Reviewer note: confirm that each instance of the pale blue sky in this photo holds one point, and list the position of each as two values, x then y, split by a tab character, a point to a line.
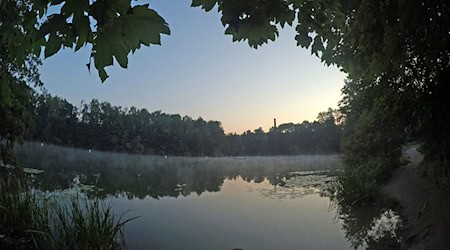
199	71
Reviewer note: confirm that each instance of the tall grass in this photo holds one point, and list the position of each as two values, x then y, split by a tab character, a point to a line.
41	222
88	224
23	213
359	184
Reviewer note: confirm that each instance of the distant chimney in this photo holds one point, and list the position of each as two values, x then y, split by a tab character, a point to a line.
274	122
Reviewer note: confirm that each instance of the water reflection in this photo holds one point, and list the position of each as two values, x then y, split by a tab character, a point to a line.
157	177
161	182
374	227
300	183
221	199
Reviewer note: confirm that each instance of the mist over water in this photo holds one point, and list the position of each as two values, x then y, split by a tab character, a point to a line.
209	202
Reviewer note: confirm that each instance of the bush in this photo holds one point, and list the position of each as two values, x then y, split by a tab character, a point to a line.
436	171
360	184
372	147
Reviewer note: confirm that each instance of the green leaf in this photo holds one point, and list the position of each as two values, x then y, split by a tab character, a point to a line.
303	39
56	2
121	6
55	23
40	6
82	29
103	51
74	7
5	91
207	5
102	74
317	46
125	34
53	45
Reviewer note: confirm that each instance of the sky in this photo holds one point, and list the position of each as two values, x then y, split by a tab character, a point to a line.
198	71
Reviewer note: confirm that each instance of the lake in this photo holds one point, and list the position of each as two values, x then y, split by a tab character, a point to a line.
214	203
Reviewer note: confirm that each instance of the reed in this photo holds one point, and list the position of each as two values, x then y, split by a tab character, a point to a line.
88	224
23	212
42	222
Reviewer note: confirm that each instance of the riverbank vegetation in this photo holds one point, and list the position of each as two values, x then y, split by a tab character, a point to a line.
31	219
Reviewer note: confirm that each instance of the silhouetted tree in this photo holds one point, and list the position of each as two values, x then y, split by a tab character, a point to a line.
102	126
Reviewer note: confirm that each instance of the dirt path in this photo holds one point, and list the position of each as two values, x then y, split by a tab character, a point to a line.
425	208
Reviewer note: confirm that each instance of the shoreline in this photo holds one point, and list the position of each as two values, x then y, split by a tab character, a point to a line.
424	208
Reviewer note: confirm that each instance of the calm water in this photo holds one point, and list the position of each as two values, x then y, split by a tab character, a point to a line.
214	203
242	214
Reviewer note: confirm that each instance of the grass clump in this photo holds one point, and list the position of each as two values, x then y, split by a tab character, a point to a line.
88	224
359	184
32	220
23	213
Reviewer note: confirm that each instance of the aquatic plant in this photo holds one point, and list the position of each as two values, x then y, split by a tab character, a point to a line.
386	226
40	222
88	224
357	185
23	212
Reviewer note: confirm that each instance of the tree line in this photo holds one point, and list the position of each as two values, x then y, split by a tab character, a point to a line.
103	126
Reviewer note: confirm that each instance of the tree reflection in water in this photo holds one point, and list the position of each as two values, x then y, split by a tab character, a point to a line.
375	226
138	177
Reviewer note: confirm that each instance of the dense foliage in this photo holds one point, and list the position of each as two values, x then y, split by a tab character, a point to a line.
102	126
112	29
